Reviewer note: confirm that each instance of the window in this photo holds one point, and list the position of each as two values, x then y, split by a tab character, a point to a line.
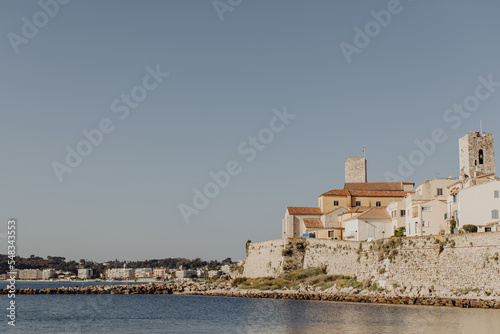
427	208
481	157
378	204
330	234
440	192
425	224
494	214
454	198
358	203
336	203
497	194
445	216
403	213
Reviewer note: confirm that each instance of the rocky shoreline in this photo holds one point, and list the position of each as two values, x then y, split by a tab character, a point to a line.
303	293
358	297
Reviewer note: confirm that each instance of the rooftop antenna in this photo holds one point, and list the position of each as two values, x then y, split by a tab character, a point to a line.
481	128
364	152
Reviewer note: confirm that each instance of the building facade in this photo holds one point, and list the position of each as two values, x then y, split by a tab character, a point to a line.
85	273
120	274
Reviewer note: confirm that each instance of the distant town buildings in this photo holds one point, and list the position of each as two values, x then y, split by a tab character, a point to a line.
30	274
48	273
144	273
120	274
161	273
85	274
373	210
186	274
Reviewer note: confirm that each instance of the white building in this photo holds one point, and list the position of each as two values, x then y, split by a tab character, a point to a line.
186	274
47	273
85	273
160	273
477	205
370	225
120	273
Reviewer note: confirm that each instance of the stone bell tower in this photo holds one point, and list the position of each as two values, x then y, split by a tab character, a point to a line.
477	154
355	170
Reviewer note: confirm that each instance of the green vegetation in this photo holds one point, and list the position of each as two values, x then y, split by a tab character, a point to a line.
309	277
464	291
388	250
246	246
469	228
400	232
453	225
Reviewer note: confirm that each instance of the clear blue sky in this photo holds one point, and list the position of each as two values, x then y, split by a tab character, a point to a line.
225	78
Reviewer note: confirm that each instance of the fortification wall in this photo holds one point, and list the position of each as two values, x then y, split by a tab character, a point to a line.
464	261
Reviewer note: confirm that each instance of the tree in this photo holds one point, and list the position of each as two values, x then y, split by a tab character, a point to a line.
400	232
453	225
469	228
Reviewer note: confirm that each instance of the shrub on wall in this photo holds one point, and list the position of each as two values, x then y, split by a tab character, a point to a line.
453	225
400	232
470	228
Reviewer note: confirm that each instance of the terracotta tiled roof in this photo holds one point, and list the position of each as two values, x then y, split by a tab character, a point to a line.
359	209
369	193
375	186
337	192
313	223
366	193
294	210
373	213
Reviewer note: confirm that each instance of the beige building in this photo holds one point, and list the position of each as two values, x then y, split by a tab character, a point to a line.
426	208
335	207
143	273
85	273
298	220
30	274
369	194
397	211
161	273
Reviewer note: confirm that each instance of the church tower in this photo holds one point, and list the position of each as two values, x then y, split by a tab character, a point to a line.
477	154
355	170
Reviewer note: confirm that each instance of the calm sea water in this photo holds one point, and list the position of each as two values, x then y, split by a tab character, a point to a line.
200	314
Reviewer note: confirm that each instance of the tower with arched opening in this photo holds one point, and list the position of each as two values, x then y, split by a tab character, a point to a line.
477	154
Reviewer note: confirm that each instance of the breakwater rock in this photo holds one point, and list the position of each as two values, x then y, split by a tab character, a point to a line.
149	289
